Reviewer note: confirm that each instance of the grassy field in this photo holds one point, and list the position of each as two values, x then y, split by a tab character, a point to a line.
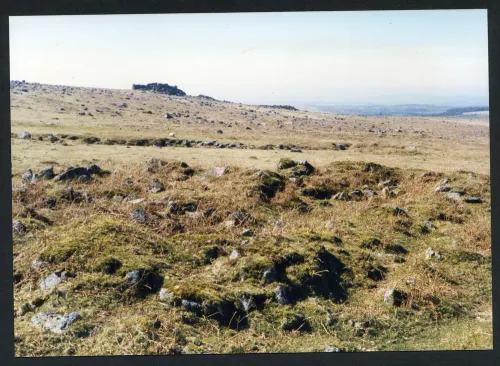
274	255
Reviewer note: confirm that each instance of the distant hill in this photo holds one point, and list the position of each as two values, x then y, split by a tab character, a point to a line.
395	110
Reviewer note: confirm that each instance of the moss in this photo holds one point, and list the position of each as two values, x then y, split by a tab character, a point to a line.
271	183
286	163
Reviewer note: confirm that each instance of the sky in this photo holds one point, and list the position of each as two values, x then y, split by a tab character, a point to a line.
369	57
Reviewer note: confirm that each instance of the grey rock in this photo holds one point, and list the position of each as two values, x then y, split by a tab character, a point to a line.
27	176
471	199
369	193
25	135
18	227
330	348
166	296
52	138
47	173
139	215
38	263
385	183
156	186
55	322
431	254
398	211
393	297
235	254
280	294
72	173
217	171
134	276
443	189
191	305
454	195
52	280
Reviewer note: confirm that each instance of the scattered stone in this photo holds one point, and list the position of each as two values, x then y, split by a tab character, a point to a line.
54	322
52	138
156	186
235	254
171	134
471	199
168	116
454	195
25	135
53	279
84	178
280	294
431	254
411	282
369	193
429	225
139	215
72	173
385	183
393	297
217	171
443	189
18	227
38	263
330	348
27	176
166	296
399	212
47	173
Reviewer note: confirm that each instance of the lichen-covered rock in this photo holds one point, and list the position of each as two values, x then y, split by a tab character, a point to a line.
18	227
55	322
25	135
53	279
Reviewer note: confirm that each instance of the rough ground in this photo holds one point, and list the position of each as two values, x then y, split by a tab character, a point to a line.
337	240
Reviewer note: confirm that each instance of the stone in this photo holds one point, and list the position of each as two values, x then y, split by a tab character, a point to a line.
168	116
27	176
55	322
47	173
52	138
471	199
38	263
393	297
72	173
431	254
369	193
399	212
52	280
217	171
235	254
171	134
84	178
442	189
139	215
429	225
330	348
25	135
247	232
166	296
18	227
454	195
156	186
411	282
280	295
385	183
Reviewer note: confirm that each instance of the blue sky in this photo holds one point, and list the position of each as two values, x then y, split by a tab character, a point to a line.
315	57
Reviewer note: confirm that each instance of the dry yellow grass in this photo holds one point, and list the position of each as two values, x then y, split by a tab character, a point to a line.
448	301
